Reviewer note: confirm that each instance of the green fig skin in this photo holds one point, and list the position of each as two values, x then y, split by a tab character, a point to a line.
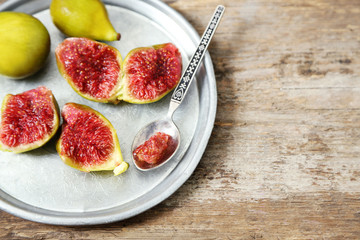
24	44
83	18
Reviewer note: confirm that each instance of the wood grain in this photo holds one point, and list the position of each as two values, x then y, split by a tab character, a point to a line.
283	159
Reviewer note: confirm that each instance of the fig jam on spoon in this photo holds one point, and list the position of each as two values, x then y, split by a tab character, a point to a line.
156	143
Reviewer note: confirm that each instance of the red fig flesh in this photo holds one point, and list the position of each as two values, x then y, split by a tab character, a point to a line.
94	70
150	73
91	68
28	120
155	150
88	141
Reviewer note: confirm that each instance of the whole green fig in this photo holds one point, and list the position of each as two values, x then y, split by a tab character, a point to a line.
24	44
83	18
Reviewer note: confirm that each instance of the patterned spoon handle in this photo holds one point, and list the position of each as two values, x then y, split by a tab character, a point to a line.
195	61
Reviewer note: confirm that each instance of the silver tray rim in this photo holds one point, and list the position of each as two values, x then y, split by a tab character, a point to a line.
208	104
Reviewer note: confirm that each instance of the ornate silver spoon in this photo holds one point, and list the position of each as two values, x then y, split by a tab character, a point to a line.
167	125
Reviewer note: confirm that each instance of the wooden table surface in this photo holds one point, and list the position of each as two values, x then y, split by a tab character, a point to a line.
283	160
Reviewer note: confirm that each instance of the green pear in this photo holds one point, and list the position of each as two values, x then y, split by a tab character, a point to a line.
24	44
83	18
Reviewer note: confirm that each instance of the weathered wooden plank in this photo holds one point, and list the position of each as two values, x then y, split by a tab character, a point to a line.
328	215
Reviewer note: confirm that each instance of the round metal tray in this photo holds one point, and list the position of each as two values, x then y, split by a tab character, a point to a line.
37	186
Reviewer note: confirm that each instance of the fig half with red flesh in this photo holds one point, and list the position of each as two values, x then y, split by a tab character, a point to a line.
150	73
93	69
88	141
28	120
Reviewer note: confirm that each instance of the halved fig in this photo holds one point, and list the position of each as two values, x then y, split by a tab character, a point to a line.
88	141
150	73
93	69
28	120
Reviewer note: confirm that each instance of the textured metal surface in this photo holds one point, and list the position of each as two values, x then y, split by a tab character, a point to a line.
39	187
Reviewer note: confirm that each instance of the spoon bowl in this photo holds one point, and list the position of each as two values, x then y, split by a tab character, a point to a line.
166	126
